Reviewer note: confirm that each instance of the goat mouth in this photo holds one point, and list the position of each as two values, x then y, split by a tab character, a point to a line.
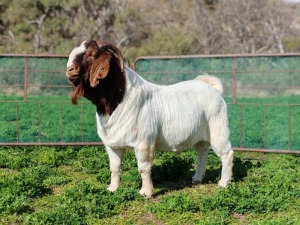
75	80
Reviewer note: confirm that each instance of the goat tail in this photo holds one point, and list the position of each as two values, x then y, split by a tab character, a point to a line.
211	80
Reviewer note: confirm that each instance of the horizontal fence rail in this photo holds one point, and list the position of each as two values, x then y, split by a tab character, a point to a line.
262	92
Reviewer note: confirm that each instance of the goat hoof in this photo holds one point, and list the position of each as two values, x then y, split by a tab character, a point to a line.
196	180
112	188
223	183
146	193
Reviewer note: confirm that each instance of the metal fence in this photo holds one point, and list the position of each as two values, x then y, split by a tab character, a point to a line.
35	104
262	92
35	75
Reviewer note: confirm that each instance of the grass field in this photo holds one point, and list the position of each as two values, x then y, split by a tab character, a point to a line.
67	185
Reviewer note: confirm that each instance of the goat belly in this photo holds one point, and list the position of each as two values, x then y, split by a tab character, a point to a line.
181	116
181	131
163	144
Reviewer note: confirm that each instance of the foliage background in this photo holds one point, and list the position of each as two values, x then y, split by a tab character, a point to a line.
140	27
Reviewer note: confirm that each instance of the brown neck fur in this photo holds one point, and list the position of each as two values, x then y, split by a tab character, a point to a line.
108	94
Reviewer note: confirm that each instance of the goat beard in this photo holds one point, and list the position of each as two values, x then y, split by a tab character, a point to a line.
77	92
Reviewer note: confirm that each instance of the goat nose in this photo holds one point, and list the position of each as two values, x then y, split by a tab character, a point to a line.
69	69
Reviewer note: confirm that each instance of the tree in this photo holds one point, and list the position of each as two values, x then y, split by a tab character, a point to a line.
278	17
202	25
209	26
3	24
44	25
28	28
253	26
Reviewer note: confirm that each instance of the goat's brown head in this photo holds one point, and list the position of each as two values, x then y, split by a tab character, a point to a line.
95	70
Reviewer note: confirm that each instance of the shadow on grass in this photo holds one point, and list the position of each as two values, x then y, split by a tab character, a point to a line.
181	176
167	186
241	168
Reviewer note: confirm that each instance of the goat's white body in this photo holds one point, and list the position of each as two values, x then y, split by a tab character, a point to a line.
172	118
166	118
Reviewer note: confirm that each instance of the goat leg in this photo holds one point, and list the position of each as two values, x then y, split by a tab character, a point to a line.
144	155
115	161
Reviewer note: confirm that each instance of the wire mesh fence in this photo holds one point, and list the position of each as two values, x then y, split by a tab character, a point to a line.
23	75
262	92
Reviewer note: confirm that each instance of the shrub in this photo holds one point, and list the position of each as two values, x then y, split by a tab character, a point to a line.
267	189
60	215
82	202
178	204
103	176
11	203
90	160
16	191
56	180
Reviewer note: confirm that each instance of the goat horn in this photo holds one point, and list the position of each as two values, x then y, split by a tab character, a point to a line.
106	44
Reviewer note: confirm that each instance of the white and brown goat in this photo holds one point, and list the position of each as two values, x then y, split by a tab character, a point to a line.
134	113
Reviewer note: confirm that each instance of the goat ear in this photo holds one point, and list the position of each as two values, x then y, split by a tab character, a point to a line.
99	68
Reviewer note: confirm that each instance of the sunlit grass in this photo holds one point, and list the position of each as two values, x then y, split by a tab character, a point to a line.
58	184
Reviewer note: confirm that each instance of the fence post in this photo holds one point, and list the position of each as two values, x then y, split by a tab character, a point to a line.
265	125
81	121
25	78
234	80
241	124
17	123
289	127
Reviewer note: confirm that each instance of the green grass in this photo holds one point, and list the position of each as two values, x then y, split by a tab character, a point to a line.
67	185
47	119
268	123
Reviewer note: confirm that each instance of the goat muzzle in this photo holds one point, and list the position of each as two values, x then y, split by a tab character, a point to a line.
74	80
73	76
70	69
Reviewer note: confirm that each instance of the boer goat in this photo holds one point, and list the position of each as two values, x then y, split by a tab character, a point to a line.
134	113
